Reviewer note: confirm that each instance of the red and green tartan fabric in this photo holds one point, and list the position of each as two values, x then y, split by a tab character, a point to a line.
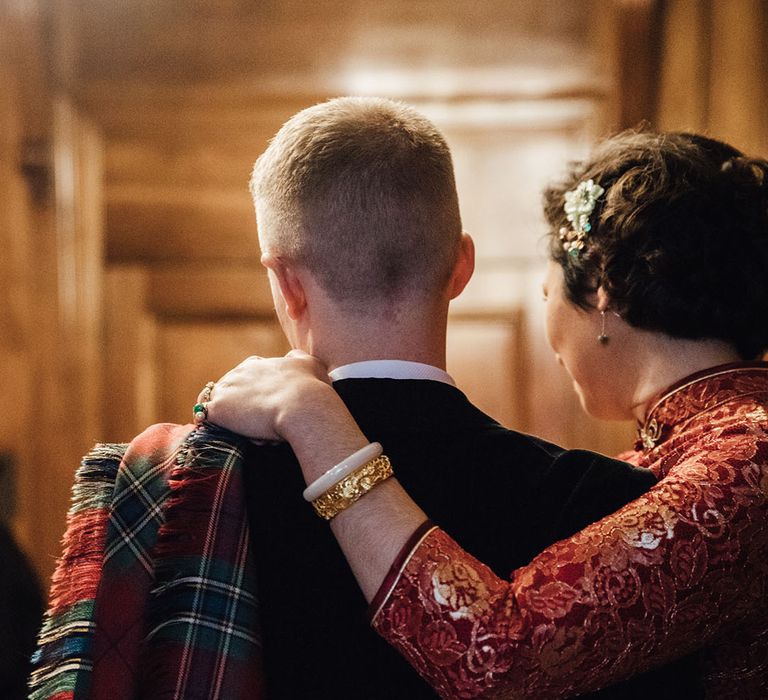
155	593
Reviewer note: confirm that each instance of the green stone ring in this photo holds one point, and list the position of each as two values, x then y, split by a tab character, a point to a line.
200	412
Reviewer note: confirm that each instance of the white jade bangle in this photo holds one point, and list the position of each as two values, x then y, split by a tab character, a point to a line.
344	468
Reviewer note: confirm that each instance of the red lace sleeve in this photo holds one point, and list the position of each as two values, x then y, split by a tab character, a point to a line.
649	583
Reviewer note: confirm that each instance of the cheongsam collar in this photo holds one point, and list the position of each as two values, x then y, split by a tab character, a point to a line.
697	394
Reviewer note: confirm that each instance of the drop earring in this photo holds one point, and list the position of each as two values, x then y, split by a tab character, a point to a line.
602	338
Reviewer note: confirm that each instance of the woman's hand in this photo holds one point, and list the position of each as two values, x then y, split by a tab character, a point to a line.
262	397
287	398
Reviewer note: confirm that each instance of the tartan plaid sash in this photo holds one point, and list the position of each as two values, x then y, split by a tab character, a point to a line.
154	596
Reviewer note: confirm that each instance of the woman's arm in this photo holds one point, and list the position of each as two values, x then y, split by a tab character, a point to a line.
659	578
290	399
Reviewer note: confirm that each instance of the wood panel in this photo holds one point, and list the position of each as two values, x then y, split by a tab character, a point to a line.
182	42
163	330
14	221
165	225
684	82
195	352
16	303
484	357
738	67
214	162
161	341
501	169
209	112
67	244
130	400
79	238
210	292
25	55
639	36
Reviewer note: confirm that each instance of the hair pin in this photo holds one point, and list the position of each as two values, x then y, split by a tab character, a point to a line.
578	207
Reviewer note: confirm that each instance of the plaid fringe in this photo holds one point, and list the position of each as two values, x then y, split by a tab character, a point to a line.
155	595
63	660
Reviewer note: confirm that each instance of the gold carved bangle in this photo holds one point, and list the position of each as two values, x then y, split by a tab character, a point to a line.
352	487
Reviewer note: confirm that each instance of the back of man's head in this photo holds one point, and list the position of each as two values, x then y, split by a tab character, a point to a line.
361	192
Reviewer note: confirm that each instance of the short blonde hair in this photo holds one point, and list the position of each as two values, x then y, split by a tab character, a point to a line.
361	191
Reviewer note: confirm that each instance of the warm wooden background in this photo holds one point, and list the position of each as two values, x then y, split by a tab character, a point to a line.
127	131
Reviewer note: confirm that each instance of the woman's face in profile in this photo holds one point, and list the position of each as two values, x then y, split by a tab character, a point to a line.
572	333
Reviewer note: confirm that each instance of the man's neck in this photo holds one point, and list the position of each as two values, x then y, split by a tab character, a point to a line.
414	339
357	355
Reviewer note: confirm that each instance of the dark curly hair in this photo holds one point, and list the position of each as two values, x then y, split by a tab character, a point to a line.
679	239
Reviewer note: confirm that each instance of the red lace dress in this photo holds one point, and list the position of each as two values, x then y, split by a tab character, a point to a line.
683	567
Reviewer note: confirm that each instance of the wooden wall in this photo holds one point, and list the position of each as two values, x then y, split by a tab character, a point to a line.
16	284
715	82
692	65
128	131
51	237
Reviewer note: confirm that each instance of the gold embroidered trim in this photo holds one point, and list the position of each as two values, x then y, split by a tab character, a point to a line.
396	579
699	379
650	432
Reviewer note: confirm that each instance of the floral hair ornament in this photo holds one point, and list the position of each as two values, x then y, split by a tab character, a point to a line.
578	207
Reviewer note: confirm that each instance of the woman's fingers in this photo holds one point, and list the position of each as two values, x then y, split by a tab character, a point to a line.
253	397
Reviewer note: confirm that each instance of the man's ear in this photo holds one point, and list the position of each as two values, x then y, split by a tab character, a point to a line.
289	283
464	267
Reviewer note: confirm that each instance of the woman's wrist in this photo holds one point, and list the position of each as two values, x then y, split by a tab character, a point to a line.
374	531
319	428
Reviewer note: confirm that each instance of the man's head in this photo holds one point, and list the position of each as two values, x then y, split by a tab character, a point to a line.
360	192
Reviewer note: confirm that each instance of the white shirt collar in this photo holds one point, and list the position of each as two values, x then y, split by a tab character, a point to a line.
390	369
